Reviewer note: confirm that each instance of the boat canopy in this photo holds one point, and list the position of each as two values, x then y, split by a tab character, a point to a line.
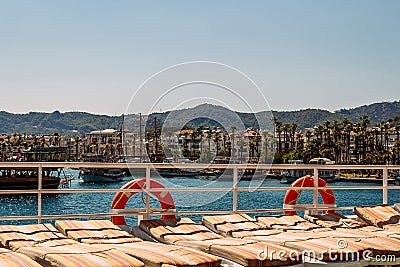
321	161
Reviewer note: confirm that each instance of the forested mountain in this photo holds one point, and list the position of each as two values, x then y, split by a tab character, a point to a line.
308	118
80	122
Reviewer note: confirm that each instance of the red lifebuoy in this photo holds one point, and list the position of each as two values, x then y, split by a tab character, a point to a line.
308	181
121	198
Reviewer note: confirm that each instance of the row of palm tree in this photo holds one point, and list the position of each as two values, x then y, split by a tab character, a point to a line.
343	141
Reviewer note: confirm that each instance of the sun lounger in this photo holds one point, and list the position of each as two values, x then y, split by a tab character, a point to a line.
320	240
107	234
289	223
44	244
237	225
10	258
185	232
334	220
380	215
360	237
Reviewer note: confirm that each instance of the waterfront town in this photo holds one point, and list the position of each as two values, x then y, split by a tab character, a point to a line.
343	142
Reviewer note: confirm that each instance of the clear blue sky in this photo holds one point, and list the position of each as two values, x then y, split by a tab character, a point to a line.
93	55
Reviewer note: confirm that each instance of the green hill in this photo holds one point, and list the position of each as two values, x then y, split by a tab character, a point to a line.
74	123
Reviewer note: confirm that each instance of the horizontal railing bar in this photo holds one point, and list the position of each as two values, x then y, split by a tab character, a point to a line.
150	166
193	166
189	189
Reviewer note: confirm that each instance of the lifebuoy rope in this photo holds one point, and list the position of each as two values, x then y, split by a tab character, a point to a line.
308	181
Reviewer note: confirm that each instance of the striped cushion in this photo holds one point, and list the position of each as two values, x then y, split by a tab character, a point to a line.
280	220
48	243
155	254
16	236
301	226
187	229
350	233
235	225
206	244
43	243
173	238
327	249
179	232
264	232
392	227
370	228
29	229
152	254
95	232
283	237
249	255
382	245
232	218
378	215
66	225
14	259
333	221
244	252
154	228
80	255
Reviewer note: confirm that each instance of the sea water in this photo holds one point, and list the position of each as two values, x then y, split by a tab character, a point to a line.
94	203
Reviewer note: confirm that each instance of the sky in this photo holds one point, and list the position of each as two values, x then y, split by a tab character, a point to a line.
105	57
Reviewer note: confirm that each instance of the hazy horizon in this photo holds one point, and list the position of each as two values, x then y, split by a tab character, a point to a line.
92	56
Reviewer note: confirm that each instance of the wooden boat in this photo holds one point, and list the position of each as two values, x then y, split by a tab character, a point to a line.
27	178
243	174
175	172
100	175
291	175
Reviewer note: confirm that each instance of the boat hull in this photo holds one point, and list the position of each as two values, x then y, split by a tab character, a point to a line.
28	183
176	173
92	178
27	179
102	176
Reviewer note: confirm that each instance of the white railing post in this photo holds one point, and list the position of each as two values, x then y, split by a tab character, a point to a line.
235	193
148	171
315	191
385	186
40	186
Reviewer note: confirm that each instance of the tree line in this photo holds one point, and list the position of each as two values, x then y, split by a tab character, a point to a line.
343	141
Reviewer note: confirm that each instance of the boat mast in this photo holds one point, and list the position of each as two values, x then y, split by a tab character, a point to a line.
123	143
155	135
140	137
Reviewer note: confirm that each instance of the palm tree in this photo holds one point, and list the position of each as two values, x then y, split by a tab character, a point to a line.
278	130
233	129
308	135
292	128
347	129
268	143
241	144
364	132
285	129
327	130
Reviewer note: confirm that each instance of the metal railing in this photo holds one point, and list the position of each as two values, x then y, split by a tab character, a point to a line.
235	189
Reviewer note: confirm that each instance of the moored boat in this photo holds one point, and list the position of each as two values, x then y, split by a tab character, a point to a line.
99	175
327	175
27	178
291	175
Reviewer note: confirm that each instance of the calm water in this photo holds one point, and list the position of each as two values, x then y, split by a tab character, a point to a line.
76	203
